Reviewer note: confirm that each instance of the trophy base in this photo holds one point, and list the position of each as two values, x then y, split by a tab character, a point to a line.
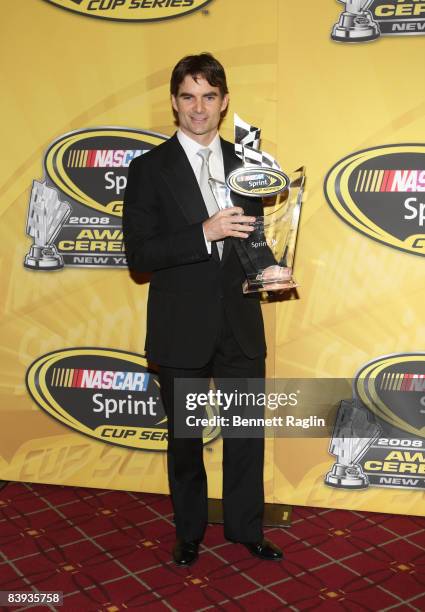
255	286
350	37
43	258
355	28
347	477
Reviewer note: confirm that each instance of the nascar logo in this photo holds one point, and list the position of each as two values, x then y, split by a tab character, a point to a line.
102	158
403	382
99	379
78	170
378	385
268	182
380	193
390	181
89	391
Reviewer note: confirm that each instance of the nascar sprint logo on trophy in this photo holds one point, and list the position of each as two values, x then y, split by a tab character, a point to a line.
132	10
103	393
74	214
379	435
367	20
380	193
267	255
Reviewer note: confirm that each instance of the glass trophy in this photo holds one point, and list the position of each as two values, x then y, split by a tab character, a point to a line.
267	254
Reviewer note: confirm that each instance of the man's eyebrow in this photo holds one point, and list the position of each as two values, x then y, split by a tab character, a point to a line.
208	93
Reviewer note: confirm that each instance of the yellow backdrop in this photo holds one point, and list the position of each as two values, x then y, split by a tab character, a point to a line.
316	102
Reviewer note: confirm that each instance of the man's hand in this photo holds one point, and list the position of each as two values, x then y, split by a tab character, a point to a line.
228	222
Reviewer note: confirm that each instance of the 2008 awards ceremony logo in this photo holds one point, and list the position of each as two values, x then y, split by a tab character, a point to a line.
132	10
74	214
382	440
104	393
380	192
367	20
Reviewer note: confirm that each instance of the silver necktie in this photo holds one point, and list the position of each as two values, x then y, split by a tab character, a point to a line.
207	194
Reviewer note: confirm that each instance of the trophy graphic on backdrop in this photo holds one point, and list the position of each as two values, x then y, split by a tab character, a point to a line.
354	432
267	255
356	23
46	216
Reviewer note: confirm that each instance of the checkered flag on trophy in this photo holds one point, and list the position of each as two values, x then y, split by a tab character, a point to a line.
355	430
247	146
46	216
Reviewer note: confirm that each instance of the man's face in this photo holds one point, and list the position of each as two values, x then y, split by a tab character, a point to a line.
199	106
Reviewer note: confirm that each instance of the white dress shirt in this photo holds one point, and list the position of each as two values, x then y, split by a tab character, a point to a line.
191	148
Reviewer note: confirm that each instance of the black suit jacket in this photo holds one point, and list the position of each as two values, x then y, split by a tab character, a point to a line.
162	224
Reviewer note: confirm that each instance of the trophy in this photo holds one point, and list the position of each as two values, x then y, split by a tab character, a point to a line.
267	255
356	23
354	432
46	216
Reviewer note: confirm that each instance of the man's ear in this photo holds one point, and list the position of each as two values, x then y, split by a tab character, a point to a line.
174	102
225	103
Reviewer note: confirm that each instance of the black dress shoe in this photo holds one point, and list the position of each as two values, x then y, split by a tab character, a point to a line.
185	553
265	550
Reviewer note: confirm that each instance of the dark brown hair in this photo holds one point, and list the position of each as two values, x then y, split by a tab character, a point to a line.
204	65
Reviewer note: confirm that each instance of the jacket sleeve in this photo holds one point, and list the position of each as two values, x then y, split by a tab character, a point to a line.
148	247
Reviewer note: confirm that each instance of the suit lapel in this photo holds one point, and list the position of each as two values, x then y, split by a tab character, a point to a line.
181	179
230	162
178	174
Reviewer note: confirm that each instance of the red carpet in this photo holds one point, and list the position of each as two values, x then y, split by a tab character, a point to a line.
109	551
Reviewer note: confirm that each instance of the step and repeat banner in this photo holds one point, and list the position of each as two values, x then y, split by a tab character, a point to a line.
336	88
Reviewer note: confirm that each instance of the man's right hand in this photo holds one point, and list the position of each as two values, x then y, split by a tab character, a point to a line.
228	222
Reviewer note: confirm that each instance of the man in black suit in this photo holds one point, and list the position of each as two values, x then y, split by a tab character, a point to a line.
199	323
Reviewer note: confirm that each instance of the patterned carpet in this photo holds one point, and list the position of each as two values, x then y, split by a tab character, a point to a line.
109	551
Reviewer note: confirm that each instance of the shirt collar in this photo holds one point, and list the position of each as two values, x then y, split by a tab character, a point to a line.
191	147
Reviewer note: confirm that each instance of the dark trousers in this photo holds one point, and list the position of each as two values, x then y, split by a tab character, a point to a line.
243	459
